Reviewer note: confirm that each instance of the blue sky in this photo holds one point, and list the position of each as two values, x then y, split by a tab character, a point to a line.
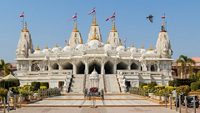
49	22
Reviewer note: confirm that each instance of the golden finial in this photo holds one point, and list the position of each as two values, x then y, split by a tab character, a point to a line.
151	47
25	28
94	22
132	45
75	27
142	46
113	27
46	47
56	45
81	41
94	37
37	48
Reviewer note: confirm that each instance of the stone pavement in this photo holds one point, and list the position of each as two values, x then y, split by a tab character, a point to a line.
93	110
112	104
109	101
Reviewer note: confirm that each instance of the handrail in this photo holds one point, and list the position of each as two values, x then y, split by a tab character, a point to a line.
84	82
104	83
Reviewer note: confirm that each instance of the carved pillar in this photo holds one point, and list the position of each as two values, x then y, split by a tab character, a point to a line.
86	68
158	65
74	68
29	66
102	68
49	65
115	68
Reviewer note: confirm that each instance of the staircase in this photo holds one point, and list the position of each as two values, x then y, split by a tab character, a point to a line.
111	83
77	83
101	84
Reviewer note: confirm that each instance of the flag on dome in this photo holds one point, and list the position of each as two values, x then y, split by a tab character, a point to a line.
163	17
22	14
92	11
112	17
74	16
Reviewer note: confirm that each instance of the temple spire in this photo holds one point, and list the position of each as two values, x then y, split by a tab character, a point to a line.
94	37
113	26
94	21
163	26
25	28
75	27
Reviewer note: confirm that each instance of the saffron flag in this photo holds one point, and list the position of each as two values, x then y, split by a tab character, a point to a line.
112	17
92	11
22	14
163	17
74	16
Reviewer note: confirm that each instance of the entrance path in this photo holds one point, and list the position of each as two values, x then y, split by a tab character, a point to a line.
93	110
113	103
110	100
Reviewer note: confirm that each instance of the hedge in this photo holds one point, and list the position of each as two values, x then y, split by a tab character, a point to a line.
35	86
180	82
44	84
195	86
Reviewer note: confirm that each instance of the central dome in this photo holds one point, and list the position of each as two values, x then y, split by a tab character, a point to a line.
94	44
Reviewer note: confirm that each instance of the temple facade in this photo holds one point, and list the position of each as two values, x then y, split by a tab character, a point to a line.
118	67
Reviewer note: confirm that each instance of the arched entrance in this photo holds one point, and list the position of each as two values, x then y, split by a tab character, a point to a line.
134	66
55	66
80	68
108	67
153	67
95	65
67	66
122	66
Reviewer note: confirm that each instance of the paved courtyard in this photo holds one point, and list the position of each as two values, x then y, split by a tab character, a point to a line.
111	104
110	100
93	110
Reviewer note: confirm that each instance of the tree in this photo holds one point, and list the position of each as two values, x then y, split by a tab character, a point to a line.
185	62
5	67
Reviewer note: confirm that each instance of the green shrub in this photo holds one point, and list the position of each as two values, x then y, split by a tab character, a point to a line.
183	89
180	82
159	90
141	84
151	87
35	86
3	92
195	86
44	84
43	87
15	90
25	90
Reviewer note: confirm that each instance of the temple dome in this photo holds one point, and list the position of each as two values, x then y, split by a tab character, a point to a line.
67	48
46	50
133	49
94	44
80	47
37	51
107	47
120	48
56	49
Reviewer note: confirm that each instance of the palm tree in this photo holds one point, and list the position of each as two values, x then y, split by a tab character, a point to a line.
185	61
5	67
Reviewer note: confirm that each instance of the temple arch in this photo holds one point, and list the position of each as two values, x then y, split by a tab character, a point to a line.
134	66
55	66
35	67
153	67
122	66
67	66
80	68
95	65
108	67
